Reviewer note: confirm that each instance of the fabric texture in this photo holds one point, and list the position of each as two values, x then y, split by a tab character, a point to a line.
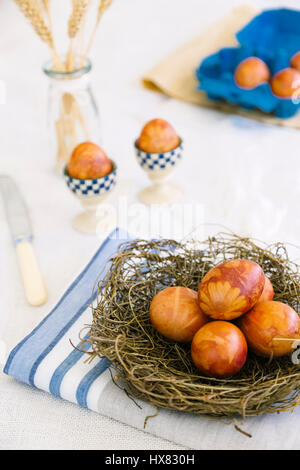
46	358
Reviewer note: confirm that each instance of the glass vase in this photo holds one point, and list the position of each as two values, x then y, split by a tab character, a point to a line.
72	115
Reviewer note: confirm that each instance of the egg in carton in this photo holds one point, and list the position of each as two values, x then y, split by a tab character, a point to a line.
263	71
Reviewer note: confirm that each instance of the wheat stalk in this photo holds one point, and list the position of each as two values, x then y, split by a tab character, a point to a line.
46	5
32	10
76	19
77	16
82	32
47	10
103	5
57	63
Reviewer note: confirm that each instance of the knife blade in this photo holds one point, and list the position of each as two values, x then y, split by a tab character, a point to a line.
16	209
21	231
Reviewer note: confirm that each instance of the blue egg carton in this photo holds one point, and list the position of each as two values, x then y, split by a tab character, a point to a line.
274	37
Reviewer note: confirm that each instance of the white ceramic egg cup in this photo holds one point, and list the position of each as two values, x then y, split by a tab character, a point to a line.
92	193
159	168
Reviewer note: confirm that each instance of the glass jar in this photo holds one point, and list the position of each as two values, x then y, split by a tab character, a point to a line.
72	115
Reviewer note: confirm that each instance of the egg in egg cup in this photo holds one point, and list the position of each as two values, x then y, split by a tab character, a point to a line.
91	176
92	193
158	151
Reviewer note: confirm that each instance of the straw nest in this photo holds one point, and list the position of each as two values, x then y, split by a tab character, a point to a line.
161	372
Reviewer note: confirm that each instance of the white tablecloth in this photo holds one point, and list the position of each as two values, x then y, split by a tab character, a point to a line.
245	174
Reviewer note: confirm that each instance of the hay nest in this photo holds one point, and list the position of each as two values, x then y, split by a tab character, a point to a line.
160	371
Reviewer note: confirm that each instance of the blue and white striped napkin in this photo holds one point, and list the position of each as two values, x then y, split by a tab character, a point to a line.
46	359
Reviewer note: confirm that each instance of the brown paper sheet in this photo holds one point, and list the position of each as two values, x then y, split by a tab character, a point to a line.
175	76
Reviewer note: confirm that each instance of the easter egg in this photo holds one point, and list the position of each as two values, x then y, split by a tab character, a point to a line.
295	61
219	349
251	72
89	161
231	289
285	83
267	322
158	136
268	292
176	314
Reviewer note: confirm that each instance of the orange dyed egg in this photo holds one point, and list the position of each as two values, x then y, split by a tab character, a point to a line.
219	349
268	292
158	136
89	161
231	289
295	61
251	72
285	83
267	322
176	314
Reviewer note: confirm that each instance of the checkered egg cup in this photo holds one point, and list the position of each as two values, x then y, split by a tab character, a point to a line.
159	161
92	187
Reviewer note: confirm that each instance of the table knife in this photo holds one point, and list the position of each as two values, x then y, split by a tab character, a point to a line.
20	227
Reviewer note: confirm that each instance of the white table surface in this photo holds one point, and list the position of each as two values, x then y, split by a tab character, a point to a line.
245	174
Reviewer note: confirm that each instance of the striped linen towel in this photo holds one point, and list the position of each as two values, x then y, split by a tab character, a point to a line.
45	359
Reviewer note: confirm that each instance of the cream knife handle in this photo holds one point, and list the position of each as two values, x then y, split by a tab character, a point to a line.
34	285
